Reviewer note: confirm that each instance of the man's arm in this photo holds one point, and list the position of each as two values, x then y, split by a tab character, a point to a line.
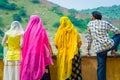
89	40
112	28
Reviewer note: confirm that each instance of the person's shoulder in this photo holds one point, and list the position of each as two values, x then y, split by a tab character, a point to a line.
7	32
93	21
90	23
104	21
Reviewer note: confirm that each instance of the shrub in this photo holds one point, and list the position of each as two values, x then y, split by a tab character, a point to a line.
35	1
5	5
57	10
1	22
11	6
1	55
1	33
1	48
56	24
16	17
22	12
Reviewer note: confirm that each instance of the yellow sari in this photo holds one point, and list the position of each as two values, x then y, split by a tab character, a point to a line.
66	41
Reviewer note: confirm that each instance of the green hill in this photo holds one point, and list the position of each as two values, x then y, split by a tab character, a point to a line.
44	11
112	12
22	9
48	17
50	14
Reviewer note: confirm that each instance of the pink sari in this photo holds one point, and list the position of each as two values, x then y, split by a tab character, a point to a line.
36	54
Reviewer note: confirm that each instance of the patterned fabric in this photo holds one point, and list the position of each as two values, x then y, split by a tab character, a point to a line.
14	49
98	34
76	68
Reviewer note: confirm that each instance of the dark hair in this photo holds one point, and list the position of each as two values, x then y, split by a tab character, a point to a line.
97	15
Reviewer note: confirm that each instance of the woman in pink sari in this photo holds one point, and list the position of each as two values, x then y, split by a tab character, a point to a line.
36	51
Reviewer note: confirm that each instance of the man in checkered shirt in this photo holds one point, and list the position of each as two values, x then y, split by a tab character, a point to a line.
102	43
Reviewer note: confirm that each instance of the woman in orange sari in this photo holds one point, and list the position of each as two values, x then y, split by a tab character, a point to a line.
68	42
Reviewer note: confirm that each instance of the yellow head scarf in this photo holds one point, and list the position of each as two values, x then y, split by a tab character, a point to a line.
66	43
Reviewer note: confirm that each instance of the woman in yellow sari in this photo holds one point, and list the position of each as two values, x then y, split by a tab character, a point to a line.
68	42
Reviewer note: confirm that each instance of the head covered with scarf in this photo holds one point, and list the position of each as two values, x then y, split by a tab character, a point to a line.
66	43
15	29
35	58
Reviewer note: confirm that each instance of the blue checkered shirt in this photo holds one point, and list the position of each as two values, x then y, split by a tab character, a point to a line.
98	34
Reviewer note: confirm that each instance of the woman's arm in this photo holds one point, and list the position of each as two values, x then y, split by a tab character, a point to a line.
79	42
21	40
50	49
4	41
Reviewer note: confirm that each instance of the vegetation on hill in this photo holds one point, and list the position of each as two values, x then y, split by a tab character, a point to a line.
24	8
112	12
4	4
50	15
21	10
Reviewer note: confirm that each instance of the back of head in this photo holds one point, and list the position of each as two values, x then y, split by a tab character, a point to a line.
66	34
35	36
15	29
35	18
97	15
65	22
34	30
15	26
34	23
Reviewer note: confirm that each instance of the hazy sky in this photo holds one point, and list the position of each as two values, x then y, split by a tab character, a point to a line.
85	4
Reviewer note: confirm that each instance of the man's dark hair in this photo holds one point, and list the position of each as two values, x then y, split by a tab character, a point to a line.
97	15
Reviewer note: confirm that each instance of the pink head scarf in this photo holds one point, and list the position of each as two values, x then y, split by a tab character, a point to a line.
35	58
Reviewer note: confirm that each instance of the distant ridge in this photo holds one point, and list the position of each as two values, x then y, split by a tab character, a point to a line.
86	13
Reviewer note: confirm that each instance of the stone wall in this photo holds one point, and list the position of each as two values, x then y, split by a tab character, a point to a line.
1	69
89	67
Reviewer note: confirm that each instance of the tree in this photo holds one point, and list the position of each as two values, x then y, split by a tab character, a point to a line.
57	10
1	50
73	12
17	17
22	12
11	6
5	1
1	33
56	24
107	12
74	20
87	20
1	21
5	5
35	1
2	4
